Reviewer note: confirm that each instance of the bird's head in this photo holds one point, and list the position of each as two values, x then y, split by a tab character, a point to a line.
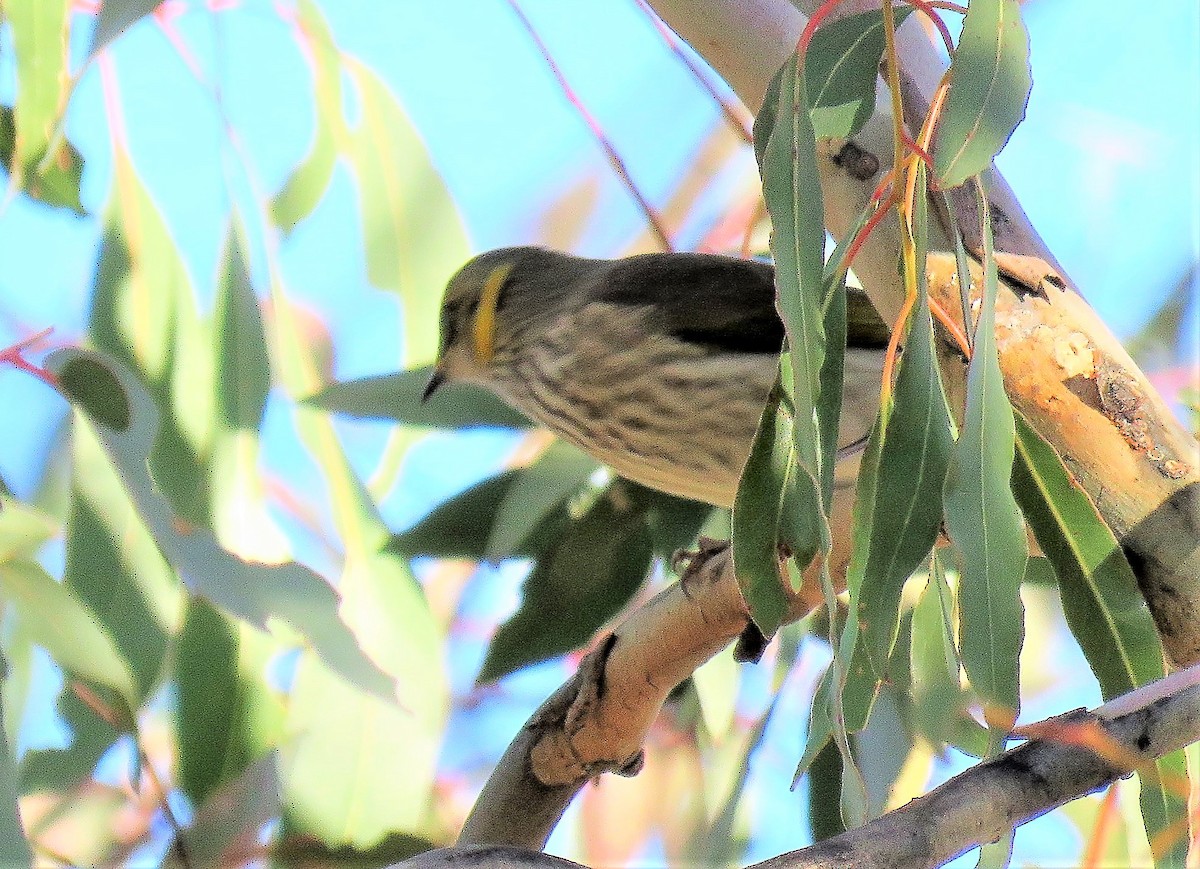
493	303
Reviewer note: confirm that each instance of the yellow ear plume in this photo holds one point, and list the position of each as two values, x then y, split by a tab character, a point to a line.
485	314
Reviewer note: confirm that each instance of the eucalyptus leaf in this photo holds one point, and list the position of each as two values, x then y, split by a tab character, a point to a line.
254	592
989	88
398	397
592	571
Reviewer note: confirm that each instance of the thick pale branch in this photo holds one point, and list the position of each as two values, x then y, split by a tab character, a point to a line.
598	721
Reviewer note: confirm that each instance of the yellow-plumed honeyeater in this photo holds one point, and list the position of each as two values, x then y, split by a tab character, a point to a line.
658	365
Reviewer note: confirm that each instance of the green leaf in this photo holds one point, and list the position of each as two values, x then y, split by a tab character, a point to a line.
906	504
243	374
144	314
593	570
398	397
793	194
460	527
842	68
1100	596
1102	604
824	793
535	494
212	704
14	850
757	510
23	529
114	565
39	34
254	592
985	525
58	183
117	16
308	182
989	87
413	234
1165	810
60	623
938	700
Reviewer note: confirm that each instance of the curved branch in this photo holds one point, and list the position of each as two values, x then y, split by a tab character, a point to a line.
597	721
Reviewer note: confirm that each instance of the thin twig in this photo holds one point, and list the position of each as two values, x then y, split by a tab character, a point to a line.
614	159
729	108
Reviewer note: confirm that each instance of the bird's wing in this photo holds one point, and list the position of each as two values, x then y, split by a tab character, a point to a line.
720	302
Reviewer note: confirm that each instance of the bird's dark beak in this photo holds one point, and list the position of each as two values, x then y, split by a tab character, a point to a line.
436	380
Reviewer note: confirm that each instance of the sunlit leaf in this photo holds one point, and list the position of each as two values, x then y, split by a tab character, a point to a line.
14	850
114	565
58	183
39	41
398	396
243	373
144	313
59	622
309	181
117	16
413	234
989	87
841	70
597	564
1165	810
985	525
254	592
23	528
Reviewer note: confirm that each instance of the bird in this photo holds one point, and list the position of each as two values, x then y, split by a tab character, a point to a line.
658	365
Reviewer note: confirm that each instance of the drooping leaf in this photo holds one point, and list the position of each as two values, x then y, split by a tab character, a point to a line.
792	191
58	183
117	16
1100	596
906	508
1103	607
756	516
114	565
39	40
938	700
59	622
23	528
212	712
398	396
144	313
597	564
985	525
989	87
1164	805
841	70
254	592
